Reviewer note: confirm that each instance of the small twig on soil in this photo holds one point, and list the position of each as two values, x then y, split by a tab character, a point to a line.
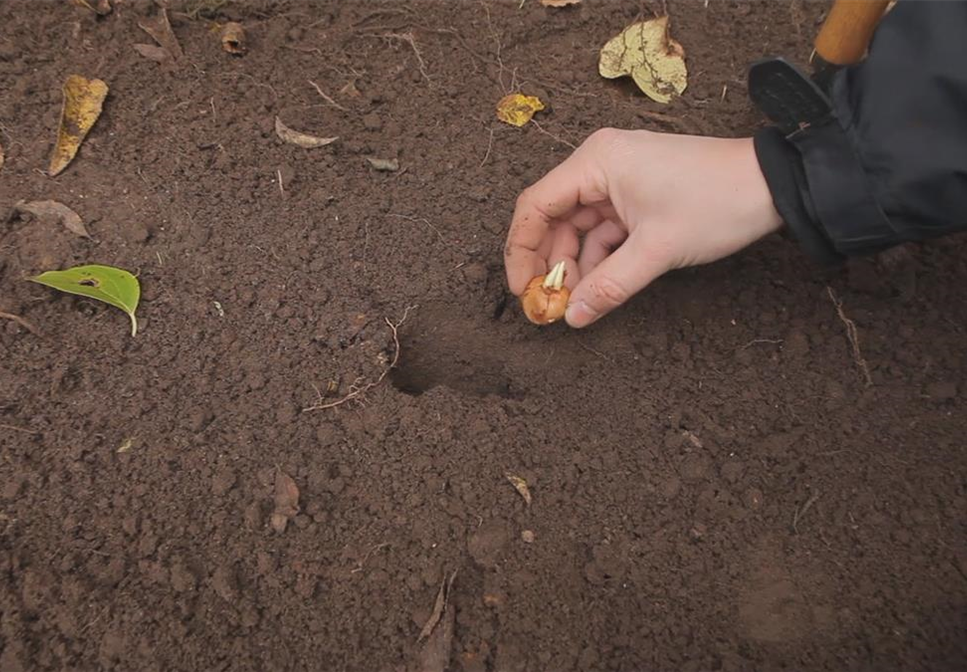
490	145
278	173
852	335
409	39
420	219
596	352
355	392
326	97
18	429
359	565
551	135
756	341
500	62
254	81
800	512
21	321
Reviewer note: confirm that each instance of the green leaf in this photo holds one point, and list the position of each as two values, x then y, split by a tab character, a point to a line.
104	283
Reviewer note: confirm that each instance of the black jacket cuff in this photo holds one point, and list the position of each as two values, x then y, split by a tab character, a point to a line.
781	165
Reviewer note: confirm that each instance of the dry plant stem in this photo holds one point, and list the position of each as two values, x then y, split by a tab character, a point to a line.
798	515
18	429
327	97
21	321
420	219
551	135
408	38
355	391
490	146
852	335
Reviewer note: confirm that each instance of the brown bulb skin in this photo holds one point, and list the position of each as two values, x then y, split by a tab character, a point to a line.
543	305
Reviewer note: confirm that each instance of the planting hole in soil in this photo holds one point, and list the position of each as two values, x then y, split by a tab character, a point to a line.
460	354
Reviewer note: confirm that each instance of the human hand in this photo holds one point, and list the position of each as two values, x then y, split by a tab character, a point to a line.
645	203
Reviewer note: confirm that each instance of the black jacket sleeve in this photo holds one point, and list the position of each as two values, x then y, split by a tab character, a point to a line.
890	166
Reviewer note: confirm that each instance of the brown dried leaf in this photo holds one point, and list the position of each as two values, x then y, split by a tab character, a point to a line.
83	100
438	607
278	522
103	7
233	38
520	485
559	3
53	211
153	52
300	139
435	654
160	30
386	165
350	90
286	495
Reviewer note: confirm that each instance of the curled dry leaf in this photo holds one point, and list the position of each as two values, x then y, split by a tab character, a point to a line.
647	53
438	606
233	38
520	485
153	52
517	109
83	100
300	139
286	501
438	631
387	165
54	212
559	3
160	30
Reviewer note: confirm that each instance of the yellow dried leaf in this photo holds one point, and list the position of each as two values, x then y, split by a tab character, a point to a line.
517	109
83	99
520	485
646	51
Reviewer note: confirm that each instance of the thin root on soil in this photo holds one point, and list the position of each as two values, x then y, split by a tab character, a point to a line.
18	429
852	335
356	391
326	97
800	512
409	39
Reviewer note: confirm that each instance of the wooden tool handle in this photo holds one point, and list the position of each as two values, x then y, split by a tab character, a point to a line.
848	29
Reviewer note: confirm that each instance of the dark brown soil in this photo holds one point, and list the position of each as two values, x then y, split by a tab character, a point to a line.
715	487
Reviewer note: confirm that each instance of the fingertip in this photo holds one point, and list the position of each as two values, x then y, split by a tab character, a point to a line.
579	315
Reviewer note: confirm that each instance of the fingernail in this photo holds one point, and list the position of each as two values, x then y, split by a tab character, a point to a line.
580	314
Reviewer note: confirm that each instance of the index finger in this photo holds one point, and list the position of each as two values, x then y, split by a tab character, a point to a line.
552	198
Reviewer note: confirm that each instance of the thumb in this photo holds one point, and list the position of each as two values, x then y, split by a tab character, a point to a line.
612	282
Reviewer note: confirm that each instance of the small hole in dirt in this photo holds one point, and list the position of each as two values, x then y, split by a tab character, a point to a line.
440	348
